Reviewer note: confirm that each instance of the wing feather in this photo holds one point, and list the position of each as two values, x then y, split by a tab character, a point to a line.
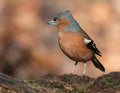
91	45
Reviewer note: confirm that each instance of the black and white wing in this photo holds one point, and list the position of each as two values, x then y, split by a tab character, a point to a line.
91	45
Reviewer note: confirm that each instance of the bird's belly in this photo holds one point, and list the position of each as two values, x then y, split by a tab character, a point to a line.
75	51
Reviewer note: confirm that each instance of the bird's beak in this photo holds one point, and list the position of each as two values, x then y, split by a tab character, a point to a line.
52	22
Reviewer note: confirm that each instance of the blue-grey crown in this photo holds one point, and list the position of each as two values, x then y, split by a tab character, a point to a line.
73	26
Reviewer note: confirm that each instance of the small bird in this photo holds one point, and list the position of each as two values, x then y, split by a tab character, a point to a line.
74	42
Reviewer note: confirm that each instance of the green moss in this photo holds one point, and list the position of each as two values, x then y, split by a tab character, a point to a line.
33	82
117	86
108	80
61	86
56	84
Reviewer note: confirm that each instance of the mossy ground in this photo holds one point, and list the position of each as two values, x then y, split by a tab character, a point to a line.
109	83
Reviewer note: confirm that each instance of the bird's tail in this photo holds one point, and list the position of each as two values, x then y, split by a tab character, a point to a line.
98	64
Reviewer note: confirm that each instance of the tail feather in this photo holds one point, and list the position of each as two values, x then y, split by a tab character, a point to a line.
98	64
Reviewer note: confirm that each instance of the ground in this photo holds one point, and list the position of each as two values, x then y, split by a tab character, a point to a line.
68	83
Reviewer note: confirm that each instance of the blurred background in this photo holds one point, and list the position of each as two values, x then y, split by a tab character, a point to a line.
29	47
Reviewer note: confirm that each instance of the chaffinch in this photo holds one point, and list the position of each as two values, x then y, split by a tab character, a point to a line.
74	42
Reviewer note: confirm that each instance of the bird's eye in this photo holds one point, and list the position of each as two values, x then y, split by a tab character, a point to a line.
55	18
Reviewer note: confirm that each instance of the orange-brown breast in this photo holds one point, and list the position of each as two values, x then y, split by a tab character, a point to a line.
72	44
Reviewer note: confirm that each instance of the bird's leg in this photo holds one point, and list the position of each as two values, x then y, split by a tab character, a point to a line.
74	67
84	70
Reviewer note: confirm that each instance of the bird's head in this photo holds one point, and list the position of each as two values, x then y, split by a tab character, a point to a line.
65	21
62	19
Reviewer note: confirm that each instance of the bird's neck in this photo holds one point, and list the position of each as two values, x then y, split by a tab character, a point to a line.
69	28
